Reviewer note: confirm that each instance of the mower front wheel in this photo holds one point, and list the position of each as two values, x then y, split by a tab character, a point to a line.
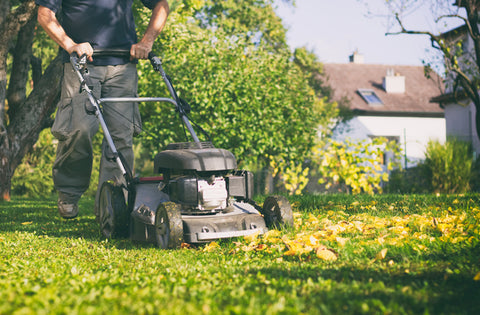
277	212
169	225
113	211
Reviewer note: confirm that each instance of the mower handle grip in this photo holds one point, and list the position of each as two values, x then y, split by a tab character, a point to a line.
121	53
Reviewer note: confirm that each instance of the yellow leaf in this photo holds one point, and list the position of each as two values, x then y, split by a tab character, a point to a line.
27	223
261	247
311	240
477	277
247	248
272	236
326	254
252	236
341	240
381	255
211	247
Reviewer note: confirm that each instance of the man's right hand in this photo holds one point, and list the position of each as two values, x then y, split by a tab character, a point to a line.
47	19
82	49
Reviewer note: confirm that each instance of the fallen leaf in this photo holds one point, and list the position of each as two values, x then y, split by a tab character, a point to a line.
341	240
261	247
381	255
211	247
326	254
252	237
477	277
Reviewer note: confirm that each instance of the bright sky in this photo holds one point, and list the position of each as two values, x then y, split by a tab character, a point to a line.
334	29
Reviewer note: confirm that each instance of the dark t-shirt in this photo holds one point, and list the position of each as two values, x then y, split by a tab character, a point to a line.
105	24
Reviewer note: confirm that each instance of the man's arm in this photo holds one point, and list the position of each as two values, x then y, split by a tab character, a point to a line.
155	26
47	19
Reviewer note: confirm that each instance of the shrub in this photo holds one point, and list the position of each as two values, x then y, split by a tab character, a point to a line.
449	166
356	166
33	178
409	181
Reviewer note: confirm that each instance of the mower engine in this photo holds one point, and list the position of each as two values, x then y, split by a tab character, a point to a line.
199	194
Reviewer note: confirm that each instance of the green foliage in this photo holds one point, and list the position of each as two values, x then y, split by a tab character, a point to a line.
356	166
293	176
413	180
449	165
395	254
33	178
251	101
255	20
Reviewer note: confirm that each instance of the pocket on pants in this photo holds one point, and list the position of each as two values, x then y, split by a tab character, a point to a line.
62	126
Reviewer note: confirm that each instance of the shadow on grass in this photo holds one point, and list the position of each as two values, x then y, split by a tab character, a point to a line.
41	217
427	292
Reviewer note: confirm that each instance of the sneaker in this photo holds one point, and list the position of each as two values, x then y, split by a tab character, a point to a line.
67	210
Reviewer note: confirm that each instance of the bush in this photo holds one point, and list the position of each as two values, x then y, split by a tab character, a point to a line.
413	180
449	166
33	178
356	166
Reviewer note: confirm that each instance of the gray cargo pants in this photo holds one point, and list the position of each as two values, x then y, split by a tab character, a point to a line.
75	128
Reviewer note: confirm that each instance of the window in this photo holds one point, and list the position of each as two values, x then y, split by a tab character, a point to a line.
370	97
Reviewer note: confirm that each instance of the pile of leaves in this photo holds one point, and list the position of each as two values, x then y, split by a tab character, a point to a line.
338	235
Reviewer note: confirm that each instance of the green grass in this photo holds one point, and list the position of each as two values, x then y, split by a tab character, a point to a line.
394	254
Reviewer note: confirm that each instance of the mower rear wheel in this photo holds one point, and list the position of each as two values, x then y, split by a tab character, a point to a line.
277	212
169	225
113	210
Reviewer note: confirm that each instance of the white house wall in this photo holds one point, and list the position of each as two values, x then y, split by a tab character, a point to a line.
415	131
461	124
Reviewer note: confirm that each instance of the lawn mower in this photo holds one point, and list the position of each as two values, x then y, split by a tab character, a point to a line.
196	194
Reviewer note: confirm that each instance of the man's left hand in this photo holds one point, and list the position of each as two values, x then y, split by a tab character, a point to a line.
140	51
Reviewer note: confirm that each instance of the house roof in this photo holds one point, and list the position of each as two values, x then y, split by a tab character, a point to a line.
348	79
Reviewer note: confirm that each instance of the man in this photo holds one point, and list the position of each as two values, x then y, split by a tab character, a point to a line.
87	25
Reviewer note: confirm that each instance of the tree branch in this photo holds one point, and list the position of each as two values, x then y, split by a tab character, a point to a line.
21	65
433	38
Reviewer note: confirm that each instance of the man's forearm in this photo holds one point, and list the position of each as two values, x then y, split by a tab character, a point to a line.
157	22
46	18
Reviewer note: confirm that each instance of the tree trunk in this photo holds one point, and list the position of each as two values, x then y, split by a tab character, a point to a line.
17	85
27	116
10	25
31	117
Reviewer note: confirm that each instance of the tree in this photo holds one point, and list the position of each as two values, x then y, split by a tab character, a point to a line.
22	117
230	60
462	67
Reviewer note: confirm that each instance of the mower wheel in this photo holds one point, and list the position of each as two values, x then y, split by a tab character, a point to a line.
113	210
169	225
277	212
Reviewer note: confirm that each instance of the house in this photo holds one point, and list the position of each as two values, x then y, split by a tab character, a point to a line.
459	110
388	101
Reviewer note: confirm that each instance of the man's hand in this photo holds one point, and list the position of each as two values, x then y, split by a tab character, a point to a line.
140	51
155	26
82	49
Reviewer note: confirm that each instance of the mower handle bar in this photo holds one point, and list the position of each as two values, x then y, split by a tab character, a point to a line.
120	53
156	62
